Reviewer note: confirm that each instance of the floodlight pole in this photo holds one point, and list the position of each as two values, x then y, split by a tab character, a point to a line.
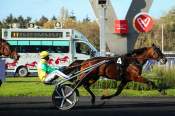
102	30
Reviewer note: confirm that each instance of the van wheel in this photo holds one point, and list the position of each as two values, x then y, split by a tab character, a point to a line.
22	72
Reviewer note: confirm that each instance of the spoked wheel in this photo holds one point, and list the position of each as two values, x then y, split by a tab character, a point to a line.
64	98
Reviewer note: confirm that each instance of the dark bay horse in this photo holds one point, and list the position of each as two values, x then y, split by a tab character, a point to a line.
125	68
7	51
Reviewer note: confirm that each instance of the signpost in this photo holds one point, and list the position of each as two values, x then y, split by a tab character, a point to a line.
117	43
121	26
102	27
143	22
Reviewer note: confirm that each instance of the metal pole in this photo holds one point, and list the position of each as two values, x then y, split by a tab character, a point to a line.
162	38
102	31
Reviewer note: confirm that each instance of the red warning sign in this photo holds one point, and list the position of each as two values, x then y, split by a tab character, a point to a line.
143	22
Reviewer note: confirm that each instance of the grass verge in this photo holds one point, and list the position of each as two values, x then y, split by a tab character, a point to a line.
33	87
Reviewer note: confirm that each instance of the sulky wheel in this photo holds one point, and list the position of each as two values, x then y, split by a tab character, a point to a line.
64	97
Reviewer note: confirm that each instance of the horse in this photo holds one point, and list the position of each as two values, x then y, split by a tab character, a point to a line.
126	68
7	51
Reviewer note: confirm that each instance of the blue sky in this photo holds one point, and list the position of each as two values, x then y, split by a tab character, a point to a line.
81	8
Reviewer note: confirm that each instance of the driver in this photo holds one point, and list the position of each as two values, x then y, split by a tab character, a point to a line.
46	73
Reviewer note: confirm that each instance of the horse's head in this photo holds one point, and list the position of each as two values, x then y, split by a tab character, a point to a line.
6	50
14	55
156	54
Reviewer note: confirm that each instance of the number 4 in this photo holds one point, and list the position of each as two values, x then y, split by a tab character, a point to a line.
119	61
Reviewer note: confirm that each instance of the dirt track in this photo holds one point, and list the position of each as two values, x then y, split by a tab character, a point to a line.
125	106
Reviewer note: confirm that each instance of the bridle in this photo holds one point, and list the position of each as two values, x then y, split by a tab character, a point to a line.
157	51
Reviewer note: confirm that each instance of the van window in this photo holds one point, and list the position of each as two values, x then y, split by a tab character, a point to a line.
23	42
36	46
13	42
82	48
46	43
67	34
5	33
35	43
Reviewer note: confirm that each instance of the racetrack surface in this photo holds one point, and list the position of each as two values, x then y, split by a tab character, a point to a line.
118	106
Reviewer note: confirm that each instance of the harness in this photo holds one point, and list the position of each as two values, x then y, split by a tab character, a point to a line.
120	63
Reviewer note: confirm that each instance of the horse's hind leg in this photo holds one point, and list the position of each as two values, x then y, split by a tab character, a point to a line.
119	90
91	93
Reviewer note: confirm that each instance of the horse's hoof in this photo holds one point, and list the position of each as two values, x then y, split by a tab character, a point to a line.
163	92
93	102
150	83
160	90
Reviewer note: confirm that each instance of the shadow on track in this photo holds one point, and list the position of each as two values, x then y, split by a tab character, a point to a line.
130	105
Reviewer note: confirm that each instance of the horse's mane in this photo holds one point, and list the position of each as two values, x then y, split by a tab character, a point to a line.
136	51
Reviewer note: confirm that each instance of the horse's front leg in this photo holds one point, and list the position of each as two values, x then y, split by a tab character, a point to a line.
141	79
134	74
119	90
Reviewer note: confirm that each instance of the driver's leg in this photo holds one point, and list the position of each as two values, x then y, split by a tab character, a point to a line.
50	78
59	73
54	75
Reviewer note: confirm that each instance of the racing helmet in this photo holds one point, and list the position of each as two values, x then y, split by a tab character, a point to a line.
44	54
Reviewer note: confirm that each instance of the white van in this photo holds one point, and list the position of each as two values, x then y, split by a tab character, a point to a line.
64	46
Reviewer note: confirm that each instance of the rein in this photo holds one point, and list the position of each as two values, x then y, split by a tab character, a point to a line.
78	65
142	58
111	58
